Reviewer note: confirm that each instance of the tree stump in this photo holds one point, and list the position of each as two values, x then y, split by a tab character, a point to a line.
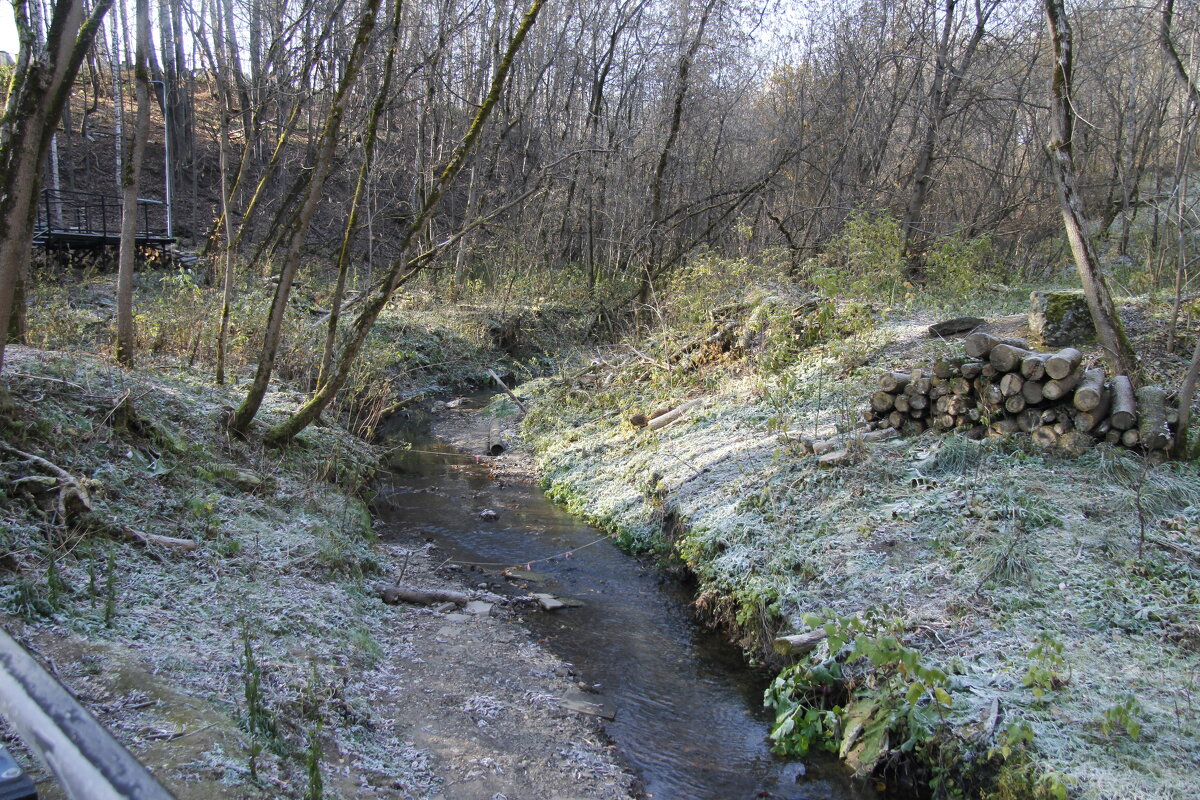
1060	318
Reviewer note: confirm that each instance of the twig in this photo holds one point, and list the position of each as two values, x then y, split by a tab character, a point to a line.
496	378
45	378
686	464
179	736
1174	548
649	360
124	396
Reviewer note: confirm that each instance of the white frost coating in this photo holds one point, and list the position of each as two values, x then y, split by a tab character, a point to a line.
917	541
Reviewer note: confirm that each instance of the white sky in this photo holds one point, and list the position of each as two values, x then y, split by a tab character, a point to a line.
8	30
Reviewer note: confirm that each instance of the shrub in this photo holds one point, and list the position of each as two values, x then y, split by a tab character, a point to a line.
958	267
864	259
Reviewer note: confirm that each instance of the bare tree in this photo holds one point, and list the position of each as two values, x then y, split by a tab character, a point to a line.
948	77
1118	351
239	421
1187	391
404	268
41	83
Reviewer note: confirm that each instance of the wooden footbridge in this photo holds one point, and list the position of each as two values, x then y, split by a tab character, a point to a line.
69	219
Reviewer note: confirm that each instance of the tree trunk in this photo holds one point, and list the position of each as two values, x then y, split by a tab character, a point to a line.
1118	352
1186	394
39	88
226	256
1185	140
129	188
239	421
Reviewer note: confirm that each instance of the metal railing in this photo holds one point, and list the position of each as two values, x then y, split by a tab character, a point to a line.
85	758
84	214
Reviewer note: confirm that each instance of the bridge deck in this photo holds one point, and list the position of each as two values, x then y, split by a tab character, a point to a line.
87	219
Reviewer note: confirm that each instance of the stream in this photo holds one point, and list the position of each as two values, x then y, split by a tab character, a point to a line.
689	716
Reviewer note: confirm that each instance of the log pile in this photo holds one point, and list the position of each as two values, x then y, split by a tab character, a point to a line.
1001	386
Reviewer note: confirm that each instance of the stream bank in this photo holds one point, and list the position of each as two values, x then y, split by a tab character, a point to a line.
987	619
163	645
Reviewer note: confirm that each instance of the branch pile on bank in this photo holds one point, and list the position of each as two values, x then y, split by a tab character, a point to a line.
1003	387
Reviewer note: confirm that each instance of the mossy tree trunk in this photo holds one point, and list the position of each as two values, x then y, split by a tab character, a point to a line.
239	421
40	85
130	179
1118	351
404	268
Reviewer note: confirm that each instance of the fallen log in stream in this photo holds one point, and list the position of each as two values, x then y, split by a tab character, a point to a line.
394	595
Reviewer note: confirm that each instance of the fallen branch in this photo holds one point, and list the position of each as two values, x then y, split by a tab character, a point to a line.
74	506
800	643
73	500
143	538
507	391
666	419
44	378
821	446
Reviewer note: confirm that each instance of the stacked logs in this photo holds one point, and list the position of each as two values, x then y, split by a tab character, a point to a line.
1003	387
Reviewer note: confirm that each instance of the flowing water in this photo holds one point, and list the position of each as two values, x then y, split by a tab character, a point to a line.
689	717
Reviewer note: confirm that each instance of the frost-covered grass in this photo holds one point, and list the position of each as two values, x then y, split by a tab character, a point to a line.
285	548
987	556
